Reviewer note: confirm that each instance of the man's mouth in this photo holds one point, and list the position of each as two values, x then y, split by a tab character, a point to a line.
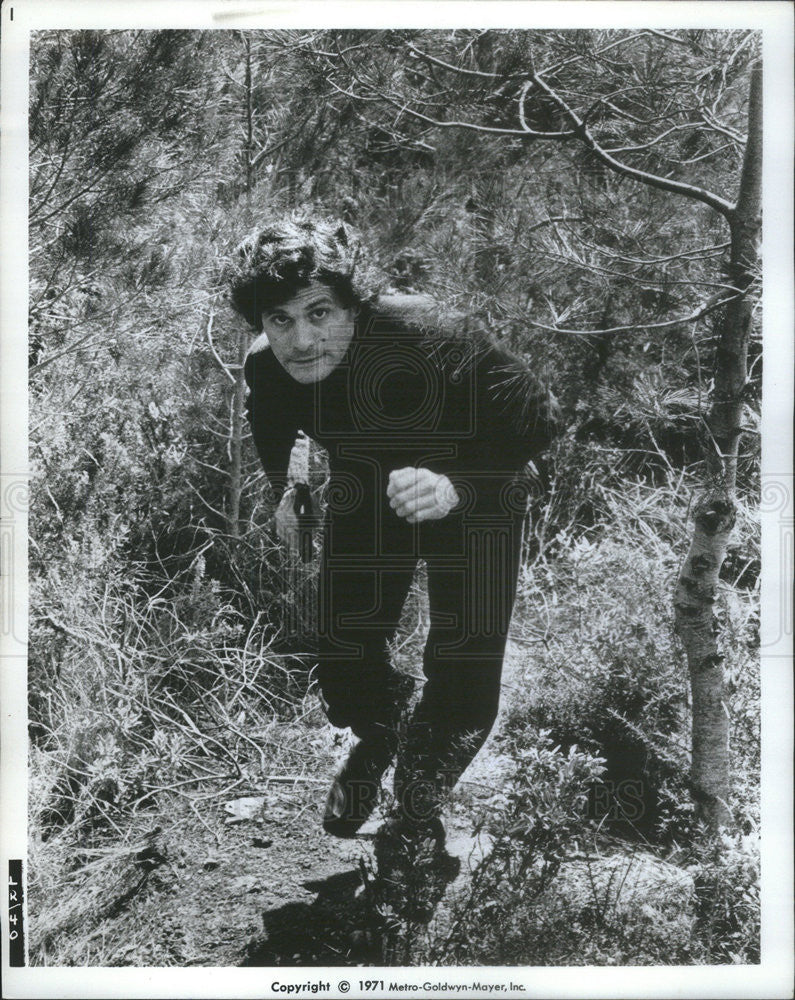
307	361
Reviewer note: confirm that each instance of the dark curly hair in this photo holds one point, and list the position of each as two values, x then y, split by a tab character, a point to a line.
291	251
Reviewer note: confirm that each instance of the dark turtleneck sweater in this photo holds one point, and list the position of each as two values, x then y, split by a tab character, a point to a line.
410	391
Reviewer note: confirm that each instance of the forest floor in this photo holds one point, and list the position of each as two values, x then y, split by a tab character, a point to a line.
246	875
249	877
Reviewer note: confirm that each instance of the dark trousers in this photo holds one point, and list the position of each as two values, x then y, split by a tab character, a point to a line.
472	559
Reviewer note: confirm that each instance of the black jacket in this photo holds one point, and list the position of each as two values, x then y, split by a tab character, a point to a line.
410	391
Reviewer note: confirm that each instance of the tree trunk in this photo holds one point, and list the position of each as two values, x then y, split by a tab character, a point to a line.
236	438
715	510
239	391
249	148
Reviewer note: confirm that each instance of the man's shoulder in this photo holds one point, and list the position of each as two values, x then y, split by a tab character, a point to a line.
259	358
416	314
404	307
259	349
259	366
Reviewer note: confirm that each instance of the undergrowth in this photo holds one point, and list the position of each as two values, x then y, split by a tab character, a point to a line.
144	707
147	709
596	857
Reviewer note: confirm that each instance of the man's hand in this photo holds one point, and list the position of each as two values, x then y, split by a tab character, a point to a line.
286	521
420	495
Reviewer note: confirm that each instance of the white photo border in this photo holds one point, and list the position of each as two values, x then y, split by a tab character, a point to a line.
774	976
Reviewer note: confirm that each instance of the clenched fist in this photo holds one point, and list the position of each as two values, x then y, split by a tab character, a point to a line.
420	495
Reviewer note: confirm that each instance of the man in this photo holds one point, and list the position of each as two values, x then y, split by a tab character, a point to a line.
427	429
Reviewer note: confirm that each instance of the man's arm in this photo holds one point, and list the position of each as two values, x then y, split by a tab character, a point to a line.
273	428
513	419
516	417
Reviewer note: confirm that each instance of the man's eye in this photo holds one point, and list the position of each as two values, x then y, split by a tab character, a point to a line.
279	320
321	312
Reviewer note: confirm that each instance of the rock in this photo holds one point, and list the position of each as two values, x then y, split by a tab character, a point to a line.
470	850
246	883
244	809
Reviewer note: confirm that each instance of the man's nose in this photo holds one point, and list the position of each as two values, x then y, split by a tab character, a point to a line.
304	337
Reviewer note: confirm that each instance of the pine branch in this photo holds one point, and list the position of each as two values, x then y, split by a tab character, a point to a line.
714	201
709	306
459	69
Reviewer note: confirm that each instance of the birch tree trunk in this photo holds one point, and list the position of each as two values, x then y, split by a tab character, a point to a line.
715	510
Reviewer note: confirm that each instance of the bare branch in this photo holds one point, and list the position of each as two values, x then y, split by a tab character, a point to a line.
459	69
714	201
713	123
670	38
209	331
525	127
573	260
696	253
709	306
580	130
353	97
597	53
415	144
709	152
471	126
403	108
725	66
656	139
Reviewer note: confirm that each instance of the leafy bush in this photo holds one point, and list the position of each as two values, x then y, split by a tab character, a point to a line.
607	676
536	822
726	873
553	891
548	893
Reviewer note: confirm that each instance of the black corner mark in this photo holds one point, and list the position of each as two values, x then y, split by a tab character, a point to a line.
16	914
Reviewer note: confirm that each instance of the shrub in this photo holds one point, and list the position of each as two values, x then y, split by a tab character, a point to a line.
607	676
536	823
726	874
142	692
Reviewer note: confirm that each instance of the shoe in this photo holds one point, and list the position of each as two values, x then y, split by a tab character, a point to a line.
413	868
354	792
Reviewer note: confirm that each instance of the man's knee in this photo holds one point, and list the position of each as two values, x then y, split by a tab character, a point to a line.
464	690
362	699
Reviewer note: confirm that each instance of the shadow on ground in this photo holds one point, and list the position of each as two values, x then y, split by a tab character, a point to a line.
335	929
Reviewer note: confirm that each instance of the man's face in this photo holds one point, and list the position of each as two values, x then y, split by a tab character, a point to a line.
310	333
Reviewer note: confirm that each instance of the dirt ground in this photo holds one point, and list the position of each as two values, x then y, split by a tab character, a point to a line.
250	877
246	876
